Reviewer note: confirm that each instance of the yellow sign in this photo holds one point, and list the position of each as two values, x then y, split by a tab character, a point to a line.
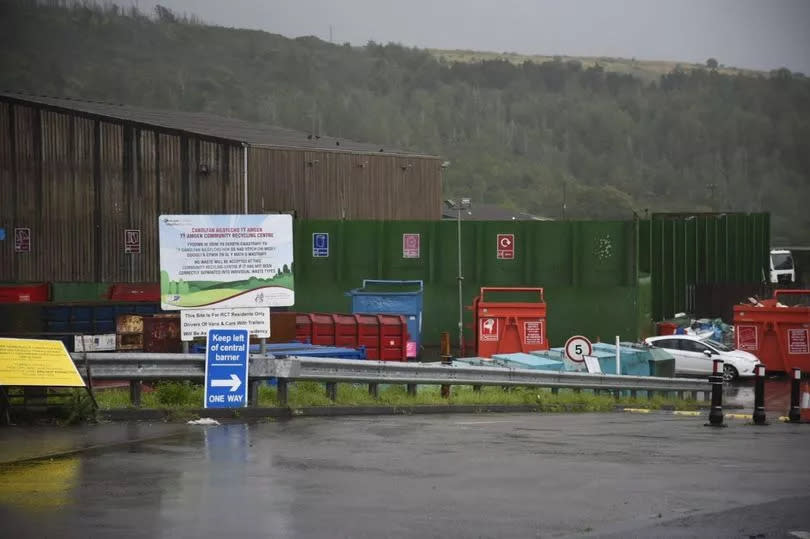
29	362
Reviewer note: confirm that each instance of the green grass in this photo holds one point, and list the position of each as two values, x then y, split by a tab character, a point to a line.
178	396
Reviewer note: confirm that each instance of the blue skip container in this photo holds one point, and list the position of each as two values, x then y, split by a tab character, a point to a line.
393	297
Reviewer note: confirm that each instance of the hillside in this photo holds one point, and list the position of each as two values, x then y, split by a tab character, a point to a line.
647	70
519	134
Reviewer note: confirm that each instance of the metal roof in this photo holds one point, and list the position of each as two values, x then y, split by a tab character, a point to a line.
206	125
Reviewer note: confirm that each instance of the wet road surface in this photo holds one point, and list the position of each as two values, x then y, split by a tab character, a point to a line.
511	475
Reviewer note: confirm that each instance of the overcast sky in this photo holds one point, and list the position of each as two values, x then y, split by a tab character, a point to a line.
758	34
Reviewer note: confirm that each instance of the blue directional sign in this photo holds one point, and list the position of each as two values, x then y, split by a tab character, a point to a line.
226	368
320	244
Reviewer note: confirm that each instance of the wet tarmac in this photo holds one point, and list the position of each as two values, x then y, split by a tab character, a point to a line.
511	475
777	395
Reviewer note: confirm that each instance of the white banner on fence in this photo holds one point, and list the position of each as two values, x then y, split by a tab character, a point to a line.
196	322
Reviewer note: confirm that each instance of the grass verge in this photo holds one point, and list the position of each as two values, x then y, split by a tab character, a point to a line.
180	396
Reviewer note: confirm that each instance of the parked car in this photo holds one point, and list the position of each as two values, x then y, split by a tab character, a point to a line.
694	356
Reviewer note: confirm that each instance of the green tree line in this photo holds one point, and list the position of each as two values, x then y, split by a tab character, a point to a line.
532	137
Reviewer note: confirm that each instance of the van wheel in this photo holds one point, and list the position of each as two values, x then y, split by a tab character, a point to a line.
730	373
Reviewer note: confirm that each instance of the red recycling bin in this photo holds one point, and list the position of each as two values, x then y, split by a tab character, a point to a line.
506	327
778	336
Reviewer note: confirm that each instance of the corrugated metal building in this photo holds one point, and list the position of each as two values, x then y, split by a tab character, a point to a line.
78	174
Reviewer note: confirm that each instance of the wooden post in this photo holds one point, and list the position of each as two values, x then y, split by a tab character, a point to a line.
411	390
374	390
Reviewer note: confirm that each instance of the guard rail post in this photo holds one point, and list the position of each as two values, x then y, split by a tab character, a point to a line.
795	413
282	393
716	379
446	360
135	393
411	390
331	391
374	390
759	395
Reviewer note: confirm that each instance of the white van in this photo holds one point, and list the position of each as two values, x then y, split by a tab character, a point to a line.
782	269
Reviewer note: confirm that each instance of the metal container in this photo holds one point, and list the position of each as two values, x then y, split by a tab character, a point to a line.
161	333
129	332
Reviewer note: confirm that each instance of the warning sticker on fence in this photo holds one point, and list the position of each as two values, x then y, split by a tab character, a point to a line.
533	332
31	362
798	341
747	337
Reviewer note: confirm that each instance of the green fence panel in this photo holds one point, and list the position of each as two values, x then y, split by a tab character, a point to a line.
587	269
687	249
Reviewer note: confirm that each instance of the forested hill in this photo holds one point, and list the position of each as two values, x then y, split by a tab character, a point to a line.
515	134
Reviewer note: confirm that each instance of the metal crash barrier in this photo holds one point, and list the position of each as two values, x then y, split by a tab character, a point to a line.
138	367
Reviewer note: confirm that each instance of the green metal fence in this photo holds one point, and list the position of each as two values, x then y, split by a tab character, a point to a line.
681	250
588	269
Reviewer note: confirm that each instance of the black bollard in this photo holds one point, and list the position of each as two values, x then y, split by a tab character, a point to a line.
716	379
795	413
759	395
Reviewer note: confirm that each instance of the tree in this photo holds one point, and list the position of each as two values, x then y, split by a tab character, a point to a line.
711	63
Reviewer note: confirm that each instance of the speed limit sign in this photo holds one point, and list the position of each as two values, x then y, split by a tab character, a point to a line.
577	347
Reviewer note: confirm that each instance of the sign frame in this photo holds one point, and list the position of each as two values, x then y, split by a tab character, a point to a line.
132	241
592	364
240	315
411	245
49	354
505	247
492	334
746	330
320	250
800	344
22	240
222	384
572	343
225	261
542	332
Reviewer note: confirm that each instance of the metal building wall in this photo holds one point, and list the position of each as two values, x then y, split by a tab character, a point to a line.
340	185
78	181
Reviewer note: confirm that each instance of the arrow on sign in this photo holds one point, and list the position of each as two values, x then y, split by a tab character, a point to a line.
506	242
234	383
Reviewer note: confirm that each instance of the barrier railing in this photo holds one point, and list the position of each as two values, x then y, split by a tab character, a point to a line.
138	367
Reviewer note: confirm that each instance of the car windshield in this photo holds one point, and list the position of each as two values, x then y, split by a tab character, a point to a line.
782	261
720	346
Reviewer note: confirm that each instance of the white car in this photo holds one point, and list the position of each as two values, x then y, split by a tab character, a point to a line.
694	356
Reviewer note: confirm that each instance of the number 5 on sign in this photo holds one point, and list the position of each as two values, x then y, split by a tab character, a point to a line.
577	347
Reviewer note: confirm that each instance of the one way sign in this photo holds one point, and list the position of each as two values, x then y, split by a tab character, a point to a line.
226	368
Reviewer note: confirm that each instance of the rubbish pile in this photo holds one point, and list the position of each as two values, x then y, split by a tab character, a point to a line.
703	328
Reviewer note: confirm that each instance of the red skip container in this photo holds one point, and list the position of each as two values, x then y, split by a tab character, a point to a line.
778	336
506	327
384	336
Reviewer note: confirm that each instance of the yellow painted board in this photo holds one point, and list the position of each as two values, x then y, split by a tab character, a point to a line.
34	362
